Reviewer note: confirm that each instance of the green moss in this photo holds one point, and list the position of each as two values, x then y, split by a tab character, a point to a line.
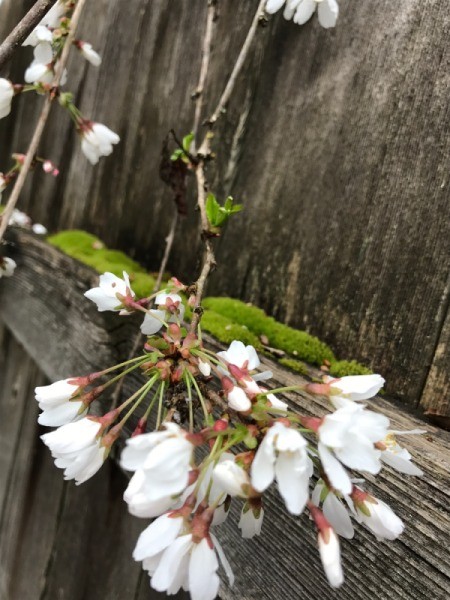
293	341
341	368
91	251
225	330
294	365
224	318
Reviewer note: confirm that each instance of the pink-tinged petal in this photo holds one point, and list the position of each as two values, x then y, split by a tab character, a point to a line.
328	12
238	400
335	472
330	555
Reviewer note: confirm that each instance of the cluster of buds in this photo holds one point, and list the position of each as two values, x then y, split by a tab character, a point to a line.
209	432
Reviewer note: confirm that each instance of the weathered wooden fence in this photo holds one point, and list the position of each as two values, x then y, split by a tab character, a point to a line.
60	542
337	141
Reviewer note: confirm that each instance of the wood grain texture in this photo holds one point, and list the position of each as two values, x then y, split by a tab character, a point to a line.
337	141
57	541
283	563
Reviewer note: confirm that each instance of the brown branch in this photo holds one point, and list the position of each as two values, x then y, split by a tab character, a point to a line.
169	243
206	55
209	260
21	31
229	87
20	181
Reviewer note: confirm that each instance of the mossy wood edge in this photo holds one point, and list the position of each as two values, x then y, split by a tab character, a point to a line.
43	306
225	318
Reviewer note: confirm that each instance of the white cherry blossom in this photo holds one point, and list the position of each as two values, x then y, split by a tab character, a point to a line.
105	295
41	33
6	96
58	403
39	229
90	54
397	457
300	11
251	520
283	455
41	69
97	141
161	461
19	219
334	510
377	516
238	399
76	449
349	435
354	388
171	310
330	554
7	266
186	564
239	355
204	368
231	478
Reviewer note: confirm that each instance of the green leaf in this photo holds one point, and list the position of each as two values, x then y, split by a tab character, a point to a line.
219	215
212	209
176	154
187	140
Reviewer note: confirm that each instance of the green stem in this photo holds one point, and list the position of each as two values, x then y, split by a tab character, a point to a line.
200	396
120	375
187	382
143	391
160	403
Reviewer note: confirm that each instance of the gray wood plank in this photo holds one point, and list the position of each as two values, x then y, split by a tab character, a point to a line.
336	141
283	562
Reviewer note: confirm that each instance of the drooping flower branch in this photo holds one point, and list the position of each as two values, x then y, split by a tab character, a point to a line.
208	427
52	39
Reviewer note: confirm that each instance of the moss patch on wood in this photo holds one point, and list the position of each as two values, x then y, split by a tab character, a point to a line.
226	319
88	249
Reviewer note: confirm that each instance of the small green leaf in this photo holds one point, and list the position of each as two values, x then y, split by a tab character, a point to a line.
176	154
187	141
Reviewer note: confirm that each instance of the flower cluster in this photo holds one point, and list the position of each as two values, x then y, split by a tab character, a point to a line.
300	11
218	436
48	40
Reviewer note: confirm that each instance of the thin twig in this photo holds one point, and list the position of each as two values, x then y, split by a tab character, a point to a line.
209	260
206	54
20	181
21	31
169	243
229	87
